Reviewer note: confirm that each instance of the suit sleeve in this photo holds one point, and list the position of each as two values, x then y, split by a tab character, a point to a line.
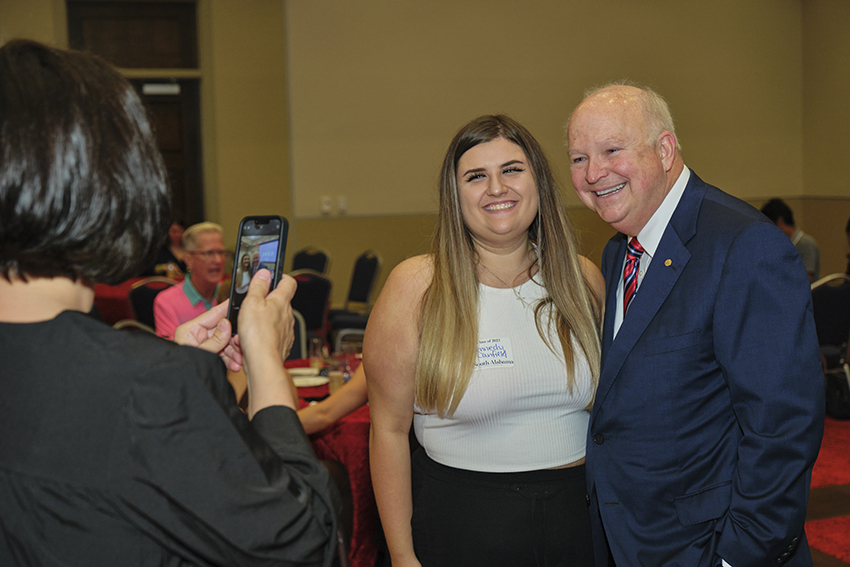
766	346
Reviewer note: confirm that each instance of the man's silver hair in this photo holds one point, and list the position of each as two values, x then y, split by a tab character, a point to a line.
655	108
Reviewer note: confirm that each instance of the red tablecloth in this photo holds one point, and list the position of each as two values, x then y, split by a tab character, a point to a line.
347	442
113	301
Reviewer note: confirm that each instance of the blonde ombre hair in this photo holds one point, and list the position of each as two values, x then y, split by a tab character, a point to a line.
449	320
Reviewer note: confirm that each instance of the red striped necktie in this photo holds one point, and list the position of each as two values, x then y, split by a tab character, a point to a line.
630	274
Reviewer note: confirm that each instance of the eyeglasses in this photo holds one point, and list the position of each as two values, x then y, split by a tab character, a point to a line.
210	254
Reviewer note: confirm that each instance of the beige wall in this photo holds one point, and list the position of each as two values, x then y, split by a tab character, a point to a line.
826	87
826	129
246	155
42	20
377	89
359	99
825	219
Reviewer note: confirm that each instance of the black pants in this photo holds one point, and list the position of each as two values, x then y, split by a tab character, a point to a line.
528	519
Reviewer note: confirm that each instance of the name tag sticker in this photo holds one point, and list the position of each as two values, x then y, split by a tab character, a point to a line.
494	353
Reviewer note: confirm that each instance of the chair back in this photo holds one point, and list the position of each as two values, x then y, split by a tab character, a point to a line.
349	336
312	300
311	258
367	267
133	325
299	344
831	306
142	295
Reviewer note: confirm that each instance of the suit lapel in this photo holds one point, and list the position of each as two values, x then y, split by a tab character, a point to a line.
667	265
612	277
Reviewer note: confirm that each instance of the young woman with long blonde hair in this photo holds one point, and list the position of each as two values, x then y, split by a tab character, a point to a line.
489	346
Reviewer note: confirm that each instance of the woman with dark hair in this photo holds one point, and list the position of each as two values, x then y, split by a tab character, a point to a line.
489	345
169	260
120	448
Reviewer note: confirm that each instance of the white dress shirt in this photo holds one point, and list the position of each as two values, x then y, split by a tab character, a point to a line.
650	236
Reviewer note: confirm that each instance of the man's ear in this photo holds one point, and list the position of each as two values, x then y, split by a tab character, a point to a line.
667	149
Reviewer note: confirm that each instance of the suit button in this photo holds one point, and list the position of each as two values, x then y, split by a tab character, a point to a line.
794	543
598	438
587	497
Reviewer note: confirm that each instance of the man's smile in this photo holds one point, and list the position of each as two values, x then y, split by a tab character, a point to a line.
609	191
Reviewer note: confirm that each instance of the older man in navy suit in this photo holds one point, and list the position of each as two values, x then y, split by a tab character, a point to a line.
709	411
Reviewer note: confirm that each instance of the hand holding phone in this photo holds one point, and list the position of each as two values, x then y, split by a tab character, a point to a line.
261	244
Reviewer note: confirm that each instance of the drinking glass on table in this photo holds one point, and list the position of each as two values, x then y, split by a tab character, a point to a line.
337	372
317	357
351	352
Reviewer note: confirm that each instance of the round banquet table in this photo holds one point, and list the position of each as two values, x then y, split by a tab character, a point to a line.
347	442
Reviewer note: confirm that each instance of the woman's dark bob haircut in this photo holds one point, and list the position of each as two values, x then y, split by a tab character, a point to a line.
83	190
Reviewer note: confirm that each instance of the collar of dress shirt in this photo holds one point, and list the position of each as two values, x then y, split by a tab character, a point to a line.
650	235
193	295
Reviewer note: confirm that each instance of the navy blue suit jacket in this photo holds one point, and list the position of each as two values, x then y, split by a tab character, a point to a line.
709	411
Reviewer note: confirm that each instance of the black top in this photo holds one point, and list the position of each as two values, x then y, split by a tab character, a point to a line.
121	448
164	257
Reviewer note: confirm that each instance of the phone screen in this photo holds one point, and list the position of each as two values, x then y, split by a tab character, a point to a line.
261	244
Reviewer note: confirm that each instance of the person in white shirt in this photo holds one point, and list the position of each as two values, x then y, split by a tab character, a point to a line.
489	345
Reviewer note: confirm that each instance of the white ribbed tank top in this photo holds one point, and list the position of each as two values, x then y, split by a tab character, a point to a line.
517	413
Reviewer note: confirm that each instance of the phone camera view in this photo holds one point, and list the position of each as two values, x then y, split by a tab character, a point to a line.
256	253
259	247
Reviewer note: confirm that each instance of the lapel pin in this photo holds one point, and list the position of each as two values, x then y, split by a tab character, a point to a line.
667	262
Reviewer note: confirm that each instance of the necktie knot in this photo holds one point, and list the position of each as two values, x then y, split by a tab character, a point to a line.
630	273
635	249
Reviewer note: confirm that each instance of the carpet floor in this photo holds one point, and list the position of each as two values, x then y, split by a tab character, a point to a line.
828	516
830	536
833	464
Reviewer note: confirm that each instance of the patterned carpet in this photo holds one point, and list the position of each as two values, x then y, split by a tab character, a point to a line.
828	525
833	464
831	536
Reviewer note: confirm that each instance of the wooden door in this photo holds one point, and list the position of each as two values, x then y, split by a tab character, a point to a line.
154	35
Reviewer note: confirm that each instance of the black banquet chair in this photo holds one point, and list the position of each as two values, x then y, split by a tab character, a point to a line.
142	295
299	343
355	313
311	258
831	307
311	299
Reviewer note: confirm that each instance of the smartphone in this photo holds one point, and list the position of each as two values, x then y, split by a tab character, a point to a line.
261	243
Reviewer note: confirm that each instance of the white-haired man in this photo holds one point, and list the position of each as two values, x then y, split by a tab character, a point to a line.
709	410
205	259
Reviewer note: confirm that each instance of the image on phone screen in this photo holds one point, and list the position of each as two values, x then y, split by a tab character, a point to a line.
260	246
